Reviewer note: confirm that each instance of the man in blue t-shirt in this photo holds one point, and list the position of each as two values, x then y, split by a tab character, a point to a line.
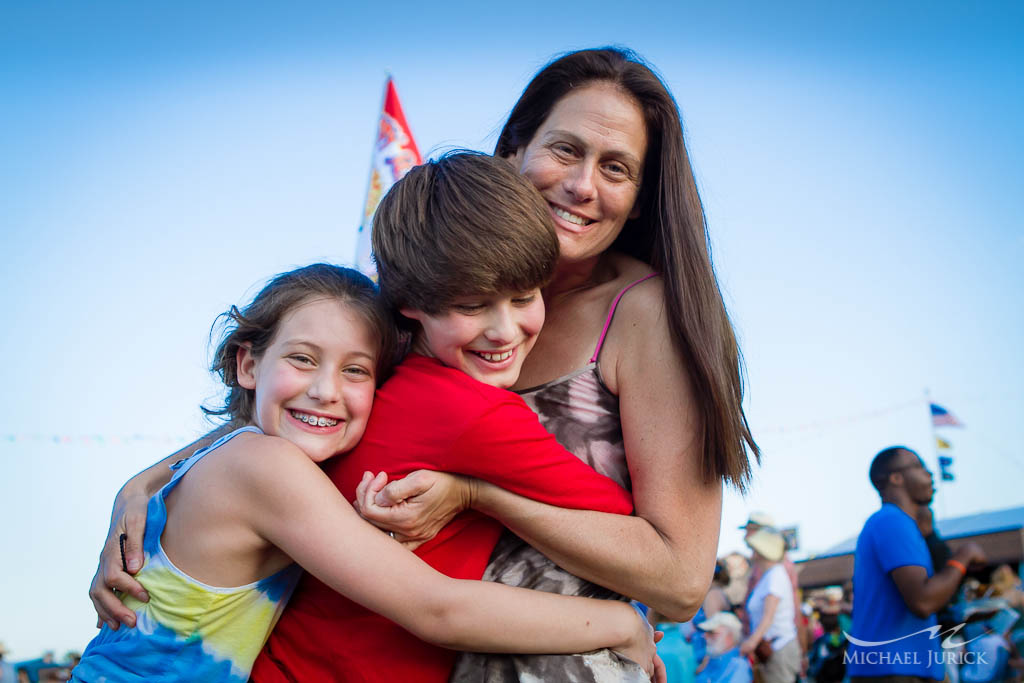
896	591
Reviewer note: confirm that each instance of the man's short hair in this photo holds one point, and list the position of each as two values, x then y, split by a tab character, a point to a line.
463	225
884	464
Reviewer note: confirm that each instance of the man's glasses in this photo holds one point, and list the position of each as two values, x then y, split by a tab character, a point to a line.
916	465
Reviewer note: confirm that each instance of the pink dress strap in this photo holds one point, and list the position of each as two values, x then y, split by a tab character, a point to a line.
611	313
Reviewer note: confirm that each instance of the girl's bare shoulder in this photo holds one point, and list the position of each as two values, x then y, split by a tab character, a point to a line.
252	458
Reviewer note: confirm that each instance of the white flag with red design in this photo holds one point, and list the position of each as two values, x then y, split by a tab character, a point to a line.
394	153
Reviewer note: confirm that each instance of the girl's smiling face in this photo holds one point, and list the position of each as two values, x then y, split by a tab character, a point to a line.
587	161
314	384
485	336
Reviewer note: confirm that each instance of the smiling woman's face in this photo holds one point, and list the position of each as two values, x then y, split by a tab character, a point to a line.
587	161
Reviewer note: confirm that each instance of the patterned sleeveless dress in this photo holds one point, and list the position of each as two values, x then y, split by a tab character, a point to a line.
583	414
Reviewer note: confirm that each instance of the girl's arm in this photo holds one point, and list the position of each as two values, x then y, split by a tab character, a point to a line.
665	555
128	517
291	503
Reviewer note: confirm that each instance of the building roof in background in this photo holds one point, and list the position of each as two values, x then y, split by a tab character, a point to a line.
1000	534
969	525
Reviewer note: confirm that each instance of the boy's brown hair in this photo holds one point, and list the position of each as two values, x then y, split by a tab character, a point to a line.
465	224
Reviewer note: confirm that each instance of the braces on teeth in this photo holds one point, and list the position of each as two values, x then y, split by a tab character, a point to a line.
315	421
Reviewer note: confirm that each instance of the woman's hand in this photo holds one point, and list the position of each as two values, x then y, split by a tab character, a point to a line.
748	646
111	574
641	649
415	508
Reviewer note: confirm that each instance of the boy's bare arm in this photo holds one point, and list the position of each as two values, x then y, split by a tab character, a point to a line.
128	518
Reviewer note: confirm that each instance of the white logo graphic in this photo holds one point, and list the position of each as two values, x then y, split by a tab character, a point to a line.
934	631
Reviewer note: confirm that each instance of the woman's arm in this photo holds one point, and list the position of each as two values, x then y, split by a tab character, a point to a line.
630	555
715	602
128	517
664	556
771	604
294	506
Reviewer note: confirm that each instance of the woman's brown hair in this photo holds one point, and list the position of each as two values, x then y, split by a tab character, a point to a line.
670	234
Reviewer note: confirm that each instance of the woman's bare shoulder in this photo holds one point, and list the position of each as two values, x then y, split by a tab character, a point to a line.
640	328
627	268
644	303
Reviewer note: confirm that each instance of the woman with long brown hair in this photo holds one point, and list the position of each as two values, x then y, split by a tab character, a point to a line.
637	369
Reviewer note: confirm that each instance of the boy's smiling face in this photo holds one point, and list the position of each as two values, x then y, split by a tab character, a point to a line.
486	336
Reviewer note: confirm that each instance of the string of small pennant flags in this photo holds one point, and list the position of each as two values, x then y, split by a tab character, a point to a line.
93	439
117	439
825	423
940	418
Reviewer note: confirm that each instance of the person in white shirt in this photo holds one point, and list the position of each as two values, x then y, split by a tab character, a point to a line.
773	636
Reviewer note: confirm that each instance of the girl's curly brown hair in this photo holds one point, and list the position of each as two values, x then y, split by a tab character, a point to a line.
257	323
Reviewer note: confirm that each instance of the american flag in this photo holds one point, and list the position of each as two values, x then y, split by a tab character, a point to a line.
943	418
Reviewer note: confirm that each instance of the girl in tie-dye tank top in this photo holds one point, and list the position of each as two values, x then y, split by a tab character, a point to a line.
300	364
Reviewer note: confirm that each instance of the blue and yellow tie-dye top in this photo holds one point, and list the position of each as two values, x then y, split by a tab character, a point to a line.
188	631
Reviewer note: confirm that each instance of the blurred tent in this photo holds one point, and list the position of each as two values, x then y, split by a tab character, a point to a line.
1000	533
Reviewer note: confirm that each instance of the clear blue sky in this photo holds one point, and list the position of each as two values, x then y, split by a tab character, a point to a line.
860	165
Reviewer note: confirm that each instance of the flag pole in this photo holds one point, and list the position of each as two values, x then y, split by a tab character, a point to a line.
394	153
362	240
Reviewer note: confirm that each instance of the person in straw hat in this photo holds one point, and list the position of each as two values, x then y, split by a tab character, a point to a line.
762	520
773	635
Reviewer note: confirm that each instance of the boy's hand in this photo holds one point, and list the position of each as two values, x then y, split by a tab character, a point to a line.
415	508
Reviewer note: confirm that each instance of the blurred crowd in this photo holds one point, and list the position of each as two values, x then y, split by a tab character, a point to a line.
756	624
45	669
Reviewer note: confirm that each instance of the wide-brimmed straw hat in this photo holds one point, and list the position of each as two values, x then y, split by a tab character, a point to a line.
768	543
759	519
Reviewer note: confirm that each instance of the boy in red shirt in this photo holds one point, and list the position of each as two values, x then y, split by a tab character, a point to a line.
463	246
